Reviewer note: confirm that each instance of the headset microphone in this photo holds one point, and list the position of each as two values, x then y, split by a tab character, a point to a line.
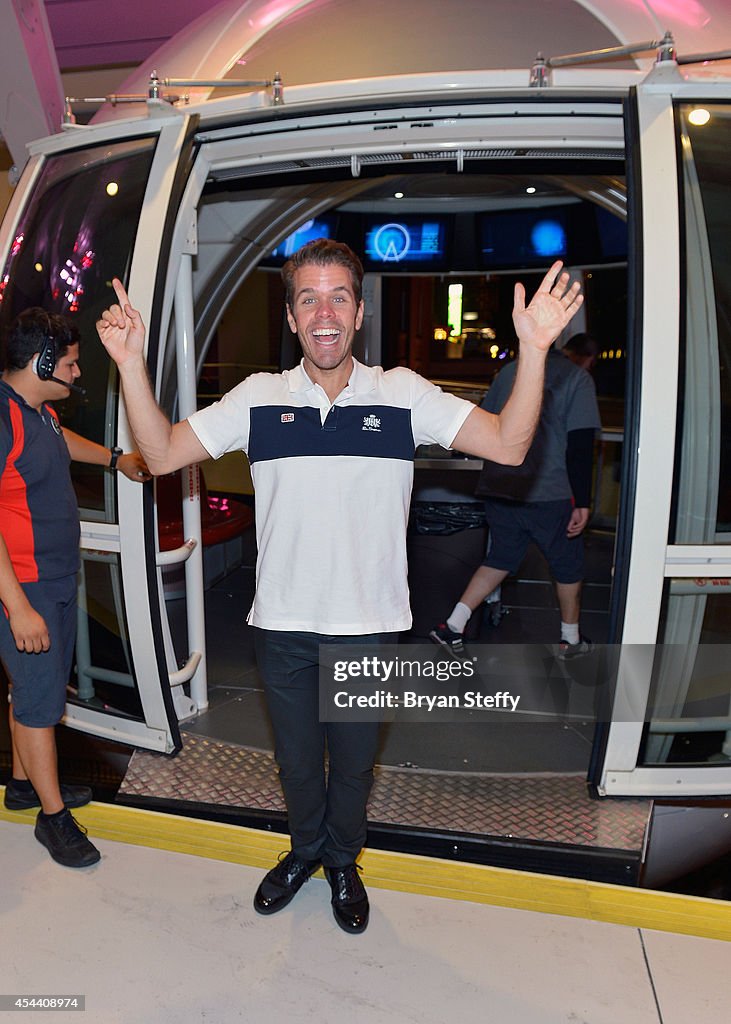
67	384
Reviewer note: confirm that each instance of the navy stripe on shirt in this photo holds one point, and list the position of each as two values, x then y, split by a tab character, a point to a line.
366	431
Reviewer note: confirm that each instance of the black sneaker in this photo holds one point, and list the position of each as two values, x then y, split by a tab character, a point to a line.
447	638
280	885
66	840
21	799
567	651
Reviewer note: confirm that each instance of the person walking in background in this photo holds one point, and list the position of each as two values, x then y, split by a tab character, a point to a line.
546	500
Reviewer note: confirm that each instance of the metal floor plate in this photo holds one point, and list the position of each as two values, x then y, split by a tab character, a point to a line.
537	807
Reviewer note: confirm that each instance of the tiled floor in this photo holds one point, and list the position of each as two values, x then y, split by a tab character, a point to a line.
167	938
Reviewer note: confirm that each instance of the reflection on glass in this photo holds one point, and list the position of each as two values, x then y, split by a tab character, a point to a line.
689	708
690	700
104	677
703	482
72	238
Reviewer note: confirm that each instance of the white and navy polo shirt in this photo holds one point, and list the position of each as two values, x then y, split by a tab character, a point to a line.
333	486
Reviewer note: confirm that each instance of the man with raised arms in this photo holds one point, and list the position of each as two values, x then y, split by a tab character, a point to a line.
331	446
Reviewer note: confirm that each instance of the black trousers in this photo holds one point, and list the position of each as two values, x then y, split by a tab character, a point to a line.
327	815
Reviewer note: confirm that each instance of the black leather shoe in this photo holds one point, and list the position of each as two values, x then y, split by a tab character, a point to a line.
349	899
21	799
280	885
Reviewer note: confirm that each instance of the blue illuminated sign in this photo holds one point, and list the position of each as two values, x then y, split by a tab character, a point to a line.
419	241
527	237
391	243
315	228
548	238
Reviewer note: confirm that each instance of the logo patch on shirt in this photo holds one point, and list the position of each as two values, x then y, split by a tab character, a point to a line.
287	417
372	422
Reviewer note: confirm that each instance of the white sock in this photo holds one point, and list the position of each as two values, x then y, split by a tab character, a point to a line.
459	618
570	632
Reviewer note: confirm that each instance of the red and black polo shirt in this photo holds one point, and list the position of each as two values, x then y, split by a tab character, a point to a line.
39	516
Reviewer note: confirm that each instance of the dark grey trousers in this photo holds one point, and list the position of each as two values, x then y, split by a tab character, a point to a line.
327	814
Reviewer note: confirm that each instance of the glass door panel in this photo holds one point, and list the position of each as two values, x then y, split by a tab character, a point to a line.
86	206
690	701
77	232
683	743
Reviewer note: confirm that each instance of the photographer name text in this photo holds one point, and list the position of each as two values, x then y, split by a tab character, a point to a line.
471	700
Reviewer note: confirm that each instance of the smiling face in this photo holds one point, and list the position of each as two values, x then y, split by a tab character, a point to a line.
325	316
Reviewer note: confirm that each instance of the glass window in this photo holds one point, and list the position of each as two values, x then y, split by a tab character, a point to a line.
702	505
75	234
689	711
104	677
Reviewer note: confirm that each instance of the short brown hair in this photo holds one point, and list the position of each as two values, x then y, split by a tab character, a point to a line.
323	252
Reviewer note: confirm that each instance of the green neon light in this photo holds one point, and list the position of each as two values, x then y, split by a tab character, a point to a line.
454	310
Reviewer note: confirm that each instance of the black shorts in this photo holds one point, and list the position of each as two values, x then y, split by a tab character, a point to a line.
515	524
39	681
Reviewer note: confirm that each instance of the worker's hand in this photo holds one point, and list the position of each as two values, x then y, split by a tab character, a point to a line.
29	630
134	467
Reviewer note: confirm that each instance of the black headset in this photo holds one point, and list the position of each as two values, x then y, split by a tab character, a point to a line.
44	363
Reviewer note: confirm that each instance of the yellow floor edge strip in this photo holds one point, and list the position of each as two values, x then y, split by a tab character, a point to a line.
520	890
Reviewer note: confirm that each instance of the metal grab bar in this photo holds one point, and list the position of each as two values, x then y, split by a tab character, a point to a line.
692	586
719	723
177	555
108	675
105	675
186	673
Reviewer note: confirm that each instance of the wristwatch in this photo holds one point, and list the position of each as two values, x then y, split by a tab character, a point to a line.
116	452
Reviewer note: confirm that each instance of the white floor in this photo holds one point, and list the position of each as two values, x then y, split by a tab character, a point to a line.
160	938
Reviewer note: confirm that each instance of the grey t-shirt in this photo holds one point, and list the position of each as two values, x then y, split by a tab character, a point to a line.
569	403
